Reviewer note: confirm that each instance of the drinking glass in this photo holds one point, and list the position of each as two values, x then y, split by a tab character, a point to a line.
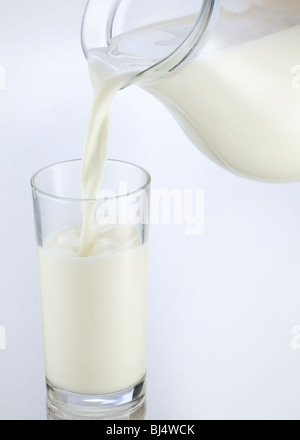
94	307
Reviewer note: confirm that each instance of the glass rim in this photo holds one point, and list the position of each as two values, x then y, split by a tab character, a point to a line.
189	44
144	187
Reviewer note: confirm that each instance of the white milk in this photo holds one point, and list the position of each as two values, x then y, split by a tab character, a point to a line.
240	108
93	278
94	309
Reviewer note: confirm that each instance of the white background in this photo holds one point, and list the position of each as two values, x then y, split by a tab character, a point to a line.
222	306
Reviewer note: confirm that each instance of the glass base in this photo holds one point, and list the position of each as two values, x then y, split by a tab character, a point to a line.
128	404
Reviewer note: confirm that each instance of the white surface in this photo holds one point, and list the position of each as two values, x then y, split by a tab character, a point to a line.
222	305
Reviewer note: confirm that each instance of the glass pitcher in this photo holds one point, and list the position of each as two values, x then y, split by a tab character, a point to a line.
228	70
